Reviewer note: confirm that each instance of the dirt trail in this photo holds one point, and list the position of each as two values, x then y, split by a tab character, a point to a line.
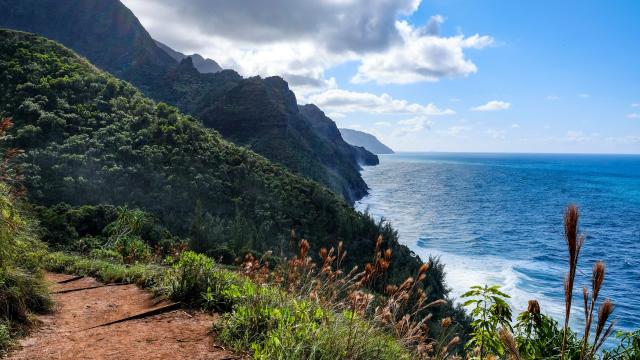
66	334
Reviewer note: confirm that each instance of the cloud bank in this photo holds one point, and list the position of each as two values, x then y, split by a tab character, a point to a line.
300	40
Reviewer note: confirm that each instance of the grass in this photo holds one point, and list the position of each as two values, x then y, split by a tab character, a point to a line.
143	275
262	319
22	289
5	337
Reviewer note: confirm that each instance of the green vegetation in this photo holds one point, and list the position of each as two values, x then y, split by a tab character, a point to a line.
490	312
109	271
262	318
133	234
127	184
537	336
260	114
90	139
95	146
22	290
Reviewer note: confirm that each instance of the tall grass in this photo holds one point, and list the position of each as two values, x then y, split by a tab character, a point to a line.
342	307
22	289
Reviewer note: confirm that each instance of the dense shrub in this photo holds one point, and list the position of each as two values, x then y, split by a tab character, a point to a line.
275	326
195	280
5	337
22	289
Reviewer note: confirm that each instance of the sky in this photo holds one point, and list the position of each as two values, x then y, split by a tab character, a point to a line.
435	75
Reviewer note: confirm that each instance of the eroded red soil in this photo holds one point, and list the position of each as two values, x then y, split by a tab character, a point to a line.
66	333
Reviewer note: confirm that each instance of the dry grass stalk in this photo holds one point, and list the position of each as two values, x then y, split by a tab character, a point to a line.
403	310
509	344
604	312
574	244
596	284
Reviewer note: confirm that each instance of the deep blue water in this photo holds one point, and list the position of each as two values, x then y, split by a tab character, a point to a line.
497	219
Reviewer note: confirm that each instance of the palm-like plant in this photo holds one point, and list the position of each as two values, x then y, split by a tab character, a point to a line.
491	313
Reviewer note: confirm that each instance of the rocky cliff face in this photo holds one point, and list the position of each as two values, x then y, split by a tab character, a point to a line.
201	64
324	126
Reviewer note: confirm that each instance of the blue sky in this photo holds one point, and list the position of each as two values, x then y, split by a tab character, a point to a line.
553	76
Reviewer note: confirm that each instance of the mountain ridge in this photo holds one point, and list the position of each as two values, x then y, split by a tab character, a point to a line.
203	65
89	139
114	40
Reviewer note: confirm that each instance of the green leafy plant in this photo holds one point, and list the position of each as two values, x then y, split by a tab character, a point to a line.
5	337
628	349
490	313
194	279
538	336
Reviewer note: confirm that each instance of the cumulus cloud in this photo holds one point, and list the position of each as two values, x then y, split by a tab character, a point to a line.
493	105
300	40
420	56
412	125
340	25
344	101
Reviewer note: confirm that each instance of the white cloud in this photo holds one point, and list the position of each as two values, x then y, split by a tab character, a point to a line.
552	97
584	96
515	126
344	101
635	105
336	115
412	125
633	116
300	40
493	105
420	56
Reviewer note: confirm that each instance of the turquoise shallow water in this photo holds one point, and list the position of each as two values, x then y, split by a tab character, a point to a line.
497	219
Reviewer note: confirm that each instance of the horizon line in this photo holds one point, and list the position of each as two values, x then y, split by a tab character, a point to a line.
506	153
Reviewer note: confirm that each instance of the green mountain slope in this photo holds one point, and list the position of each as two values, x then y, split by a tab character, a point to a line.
327	129
258	113
90	138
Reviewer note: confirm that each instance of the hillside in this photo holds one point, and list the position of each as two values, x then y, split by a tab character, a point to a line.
90	138
326	128
365	140
260	114
201	64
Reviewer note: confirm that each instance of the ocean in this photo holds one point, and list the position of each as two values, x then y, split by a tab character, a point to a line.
497	219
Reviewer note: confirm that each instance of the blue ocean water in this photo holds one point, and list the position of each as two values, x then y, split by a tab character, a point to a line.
497	219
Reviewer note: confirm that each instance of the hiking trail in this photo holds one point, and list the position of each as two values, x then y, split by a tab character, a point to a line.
91	320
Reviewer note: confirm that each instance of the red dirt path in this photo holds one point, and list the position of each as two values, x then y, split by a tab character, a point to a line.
64	333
